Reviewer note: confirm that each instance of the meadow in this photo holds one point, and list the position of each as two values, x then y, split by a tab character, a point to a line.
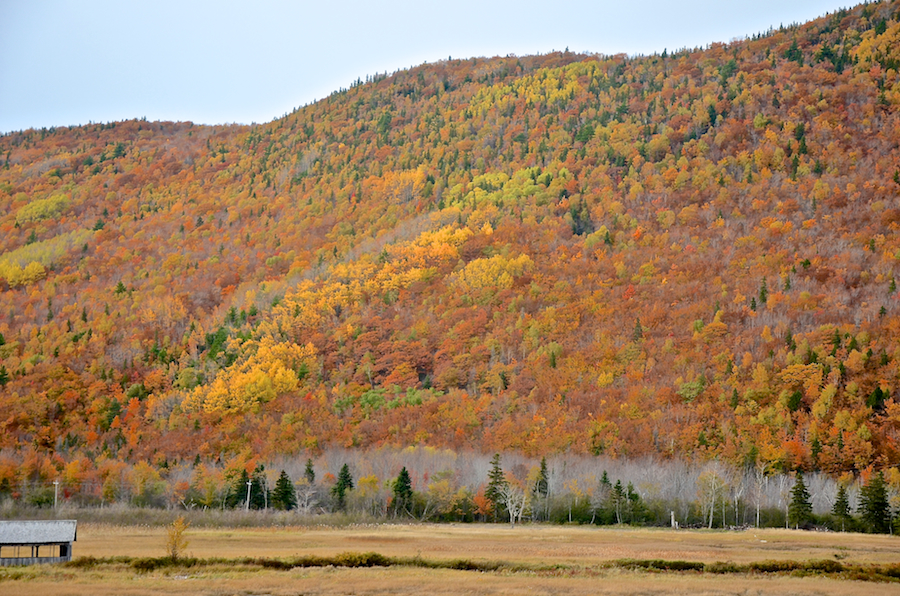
488	559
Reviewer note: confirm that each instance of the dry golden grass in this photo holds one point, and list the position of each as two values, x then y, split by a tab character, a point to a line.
413	581
581	547
527	544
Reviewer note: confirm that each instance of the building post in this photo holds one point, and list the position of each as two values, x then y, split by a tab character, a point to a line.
55	492
249	484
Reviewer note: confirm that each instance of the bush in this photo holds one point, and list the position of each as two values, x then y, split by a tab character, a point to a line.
41	498
661	565
276	564
774	566
83	562
361	560
464	565
825	566
720	567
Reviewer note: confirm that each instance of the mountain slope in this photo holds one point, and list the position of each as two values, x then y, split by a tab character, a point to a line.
689	254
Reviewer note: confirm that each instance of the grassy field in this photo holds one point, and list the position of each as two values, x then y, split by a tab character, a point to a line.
531	560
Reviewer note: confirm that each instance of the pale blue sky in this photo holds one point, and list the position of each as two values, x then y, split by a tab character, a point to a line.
71	62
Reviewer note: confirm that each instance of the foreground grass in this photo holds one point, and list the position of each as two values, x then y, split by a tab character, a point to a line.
373	573
828	568
465	559
530	544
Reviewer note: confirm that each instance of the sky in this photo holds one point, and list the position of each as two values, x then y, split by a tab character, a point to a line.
67	62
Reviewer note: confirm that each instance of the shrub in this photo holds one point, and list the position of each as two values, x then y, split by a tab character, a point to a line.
361	560
176	543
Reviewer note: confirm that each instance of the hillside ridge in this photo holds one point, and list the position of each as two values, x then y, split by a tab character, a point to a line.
686	255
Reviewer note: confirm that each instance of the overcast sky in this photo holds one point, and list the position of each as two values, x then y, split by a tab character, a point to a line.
74	62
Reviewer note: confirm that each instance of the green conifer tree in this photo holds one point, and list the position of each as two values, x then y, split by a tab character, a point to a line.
237	495
841	509
874	507
339	490
496	484
259	492
799	509
540	493
618	496
284	497
634	506
403	493
542	486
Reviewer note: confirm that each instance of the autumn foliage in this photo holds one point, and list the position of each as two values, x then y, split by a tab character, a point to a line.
688	254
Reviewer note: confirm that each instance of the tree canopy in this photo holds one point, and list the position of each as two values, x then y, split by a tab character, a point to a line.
683	254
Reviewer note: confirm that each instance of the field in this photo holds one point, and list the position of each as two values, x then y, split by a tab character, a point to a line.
526	560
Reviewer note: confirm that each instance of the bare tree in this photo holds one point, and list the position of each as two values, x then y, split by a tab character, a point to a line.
785	484
516	500
738	486
710	488
761	480
306	497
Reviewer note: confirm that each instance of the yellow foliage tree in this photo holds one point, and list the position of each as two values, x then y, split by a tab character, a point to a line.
176	543
495	273
271	369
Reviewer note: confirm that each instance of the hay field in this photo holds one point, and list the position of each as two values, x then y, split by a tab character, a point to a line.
580	551
526	543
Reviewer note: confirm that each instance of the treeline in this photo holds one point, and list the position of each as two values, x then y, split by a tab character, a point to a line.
424	484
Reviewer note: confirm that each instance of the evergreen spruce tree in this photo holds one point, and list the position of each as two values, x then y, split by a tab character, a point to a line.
540	493
403	493
603	504
259	491
310	473
617	496
339	490
841	509
874	507
542	486
237	495
604	480
496	484
800	509
636	511
284	497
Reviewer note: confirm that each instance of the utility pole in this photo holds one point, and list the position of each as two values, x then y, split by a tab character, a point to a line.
249	484
55	493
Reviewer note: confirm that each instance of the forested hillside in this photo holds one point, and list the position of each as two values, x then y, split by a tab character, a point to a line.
691	254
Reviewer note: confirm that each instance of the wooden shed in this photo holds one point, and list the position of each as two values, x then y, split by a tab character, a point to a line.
33	542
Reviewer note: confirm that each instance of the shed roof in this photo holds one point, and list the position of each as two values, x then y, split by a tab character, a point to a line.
37	532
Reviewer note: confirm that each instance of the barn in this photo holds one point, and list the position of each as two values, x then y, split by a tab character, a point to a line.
34	542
